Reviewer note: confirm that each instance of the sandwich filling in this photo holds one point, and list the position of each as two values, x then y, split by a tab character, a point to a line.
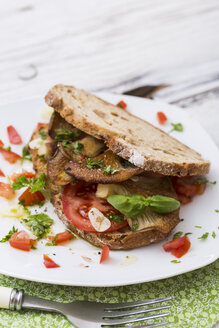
102	192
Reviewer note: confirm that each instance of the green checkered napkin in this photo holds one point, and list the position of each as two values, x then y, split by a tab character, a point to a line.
195	303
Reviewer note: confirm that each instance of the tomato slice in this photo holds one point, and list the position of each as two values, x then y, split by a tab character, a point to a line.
2	173
21	240
179	252
9	156
6	191
122	104
62	237
28	198
178	247
14	136
1	143
49	263
27	174
78	199
104	254
161	117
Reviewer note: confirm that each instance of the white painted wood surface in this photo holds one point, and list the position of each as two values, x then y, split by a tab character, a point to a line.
111	45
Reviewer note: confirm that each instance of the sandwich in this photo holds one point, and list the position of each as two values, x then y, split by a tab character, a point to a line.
112	176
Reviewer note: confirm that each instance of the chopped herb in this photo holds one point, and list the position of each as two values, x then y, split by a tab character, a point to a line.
41	156
32	247
213	234
35	184
108	170
204	236
43	135
175	261
8	148
78	147
53	242
65	134
204	180
39	224
114	217
26	155
91	164
177	127
180	234
41	204
217	211
177	235
199	227
135	226
66	144
8	236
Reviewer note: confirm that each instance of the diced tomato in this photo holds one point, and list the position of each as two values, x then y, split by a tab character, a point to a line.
10	156
173	244
40	125
27	174
178	247
161	117
187	187
14	136
78	199
2	173
122	104
62	237
28	198
49	263
179	252
1	143
104	254
21	240
6	191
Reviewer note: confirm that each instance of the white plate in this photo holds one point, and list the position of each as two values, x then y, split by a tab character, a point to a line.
150	262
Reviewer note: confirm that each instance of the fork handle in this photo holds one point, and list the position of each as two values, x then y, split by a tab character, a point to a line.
15	300
11	298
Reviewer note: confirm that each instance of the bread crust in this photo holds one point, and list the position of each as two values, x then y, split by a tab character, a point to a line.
128	136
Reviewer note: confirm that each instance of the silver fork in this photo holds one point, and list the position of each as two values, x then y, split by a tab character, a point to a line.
84	314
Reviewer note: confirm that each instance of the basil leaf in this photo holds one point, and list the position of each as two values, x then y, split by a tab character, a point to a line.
131	206
135	205
162	204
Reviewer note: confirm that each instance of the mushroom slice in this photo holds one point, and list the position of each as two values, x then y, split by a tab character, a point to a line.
110	169
55	169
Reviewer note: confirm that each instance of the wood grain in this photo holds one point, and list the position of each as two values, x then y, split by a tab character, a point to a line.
112	45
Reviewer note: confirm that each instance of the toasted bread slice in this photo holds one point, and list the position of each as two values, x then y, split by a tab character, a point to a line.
121	239
128	136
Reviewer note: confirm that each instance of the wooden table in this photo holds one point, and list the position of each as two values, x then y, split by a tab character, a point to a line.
114	46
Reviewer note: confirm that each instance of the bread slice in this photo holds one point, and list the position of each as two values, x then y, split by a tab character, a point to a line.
122	239
128	136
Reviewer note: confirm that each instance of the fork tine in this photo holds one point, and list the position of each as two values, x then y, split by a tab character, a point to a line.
121	306
132	320
114	314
